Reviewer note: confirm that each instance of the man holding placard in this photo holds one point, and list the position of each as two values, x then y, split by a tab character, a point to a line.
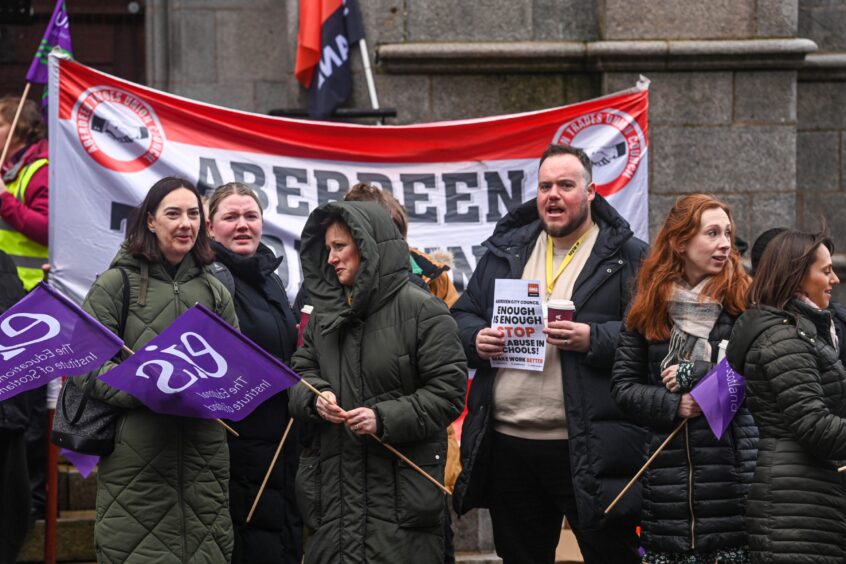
554	442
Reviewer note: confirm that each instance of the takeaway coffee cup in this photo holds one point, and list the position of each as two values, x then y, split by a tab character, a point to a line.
560	310
305	313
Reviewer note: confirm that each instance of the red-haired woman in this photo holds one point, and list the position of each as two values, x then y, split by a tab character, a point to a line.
689	292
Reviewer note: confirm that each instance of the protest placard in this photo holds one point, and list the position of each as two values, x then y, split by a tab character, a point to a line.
518	313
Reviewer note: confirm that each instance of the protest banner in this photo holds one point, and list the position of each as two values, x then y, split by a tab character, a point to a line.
110	140
720	394
201	367
518	313
45	336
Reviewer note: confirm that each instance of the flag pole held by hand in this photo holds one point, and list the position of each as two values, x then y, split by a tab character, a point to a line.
646	465
270	469
399	455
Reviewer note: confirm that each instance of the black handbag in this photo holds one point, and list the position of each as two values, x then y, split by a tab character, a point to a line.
84	424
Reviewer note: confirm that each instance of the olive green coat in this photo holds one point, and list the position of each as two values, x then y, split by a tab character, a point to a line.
394	348
162	494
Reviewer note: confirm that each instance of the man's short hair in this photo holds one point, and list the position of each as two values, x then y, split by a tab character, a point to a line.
560	149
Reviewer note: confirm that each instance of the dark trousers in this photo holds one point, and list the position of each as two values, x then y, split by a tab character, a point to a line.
14	495
531	490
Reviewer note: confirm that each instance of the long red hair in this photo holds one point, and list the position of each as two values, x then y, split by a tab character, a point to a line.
649	314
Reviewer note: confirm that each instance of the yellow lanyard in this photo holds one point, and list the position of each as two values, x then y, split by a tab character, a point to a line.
550	279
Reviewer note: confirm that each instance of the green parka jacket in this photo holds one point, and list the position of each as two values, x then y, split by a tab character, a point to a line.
395	349
162	494
796	390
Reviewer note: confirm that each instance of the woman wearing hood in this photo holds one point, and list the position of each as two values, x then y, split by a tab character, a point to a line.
387	355
786	347
689	291
274	533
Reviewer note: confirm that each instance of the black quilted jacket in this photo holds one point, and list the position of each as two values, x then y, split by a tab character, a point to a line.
694	491
605	448
796	389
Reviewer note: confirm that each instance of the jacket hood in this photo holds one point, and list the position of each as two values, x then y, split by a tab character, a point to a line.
384	267
522	226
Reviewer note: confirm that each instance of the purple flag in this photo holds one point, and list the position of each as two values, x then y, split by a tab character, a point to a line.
56	35
720	394
201	367
44	336
85	463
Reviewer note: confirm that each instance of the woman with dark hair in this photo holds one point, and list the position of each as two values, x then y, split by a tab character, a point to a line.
786	347
688	293
24	189
162	494
274	533
386	355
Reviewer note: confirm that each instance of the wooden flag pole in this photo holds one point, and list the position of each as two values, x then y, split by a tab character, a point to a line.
220	422
645	466
270	469
400	455
14	124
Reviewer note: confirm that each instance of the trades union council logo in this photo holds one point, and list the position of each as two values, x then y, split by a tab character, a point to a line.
117	129
614	142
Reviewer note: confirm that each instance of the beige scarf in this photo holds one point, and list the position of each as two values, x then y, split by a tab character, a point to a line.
693	318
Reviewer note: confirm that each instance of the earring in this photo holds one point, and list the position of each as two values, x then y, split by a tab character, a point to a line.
152	230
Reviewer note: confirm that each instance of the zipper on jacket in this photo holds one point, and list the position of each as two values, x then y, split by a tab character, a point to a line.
179	494
690	489
176	295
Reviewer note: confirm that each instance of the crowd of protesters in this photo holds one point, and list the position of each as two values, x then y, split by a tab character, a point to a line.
385	356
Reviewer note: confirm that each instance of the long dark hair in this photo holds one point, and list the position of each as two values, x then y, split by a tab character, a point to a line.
784	264
142	243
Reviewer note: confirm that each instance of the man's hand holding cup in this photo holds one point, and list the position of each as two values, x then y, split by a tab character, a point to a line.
561	331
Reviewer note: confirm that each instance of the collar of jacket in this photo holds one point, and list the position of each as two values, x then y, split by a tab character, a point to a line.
187	270
516	233
383	271
255	269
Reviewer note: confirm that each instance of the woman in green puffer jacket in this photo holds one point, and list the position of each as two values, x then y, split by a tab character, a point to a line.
389	354
786	348
162	494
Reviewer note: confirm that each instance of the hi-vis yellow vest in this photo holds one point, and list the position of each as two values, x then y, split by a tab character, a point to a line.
27	254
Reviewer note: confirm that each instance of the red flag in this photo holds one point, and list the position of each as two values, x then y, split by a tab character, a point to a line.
312	15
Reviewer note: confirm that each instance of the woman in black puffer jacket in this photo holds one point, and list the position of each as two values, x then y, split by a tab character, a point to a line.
796	388
275	532
689	291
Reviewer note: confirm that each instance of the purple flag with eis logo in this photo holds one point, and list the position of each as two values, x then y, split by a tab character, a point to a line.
57	34
720	394
201	367
44	336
